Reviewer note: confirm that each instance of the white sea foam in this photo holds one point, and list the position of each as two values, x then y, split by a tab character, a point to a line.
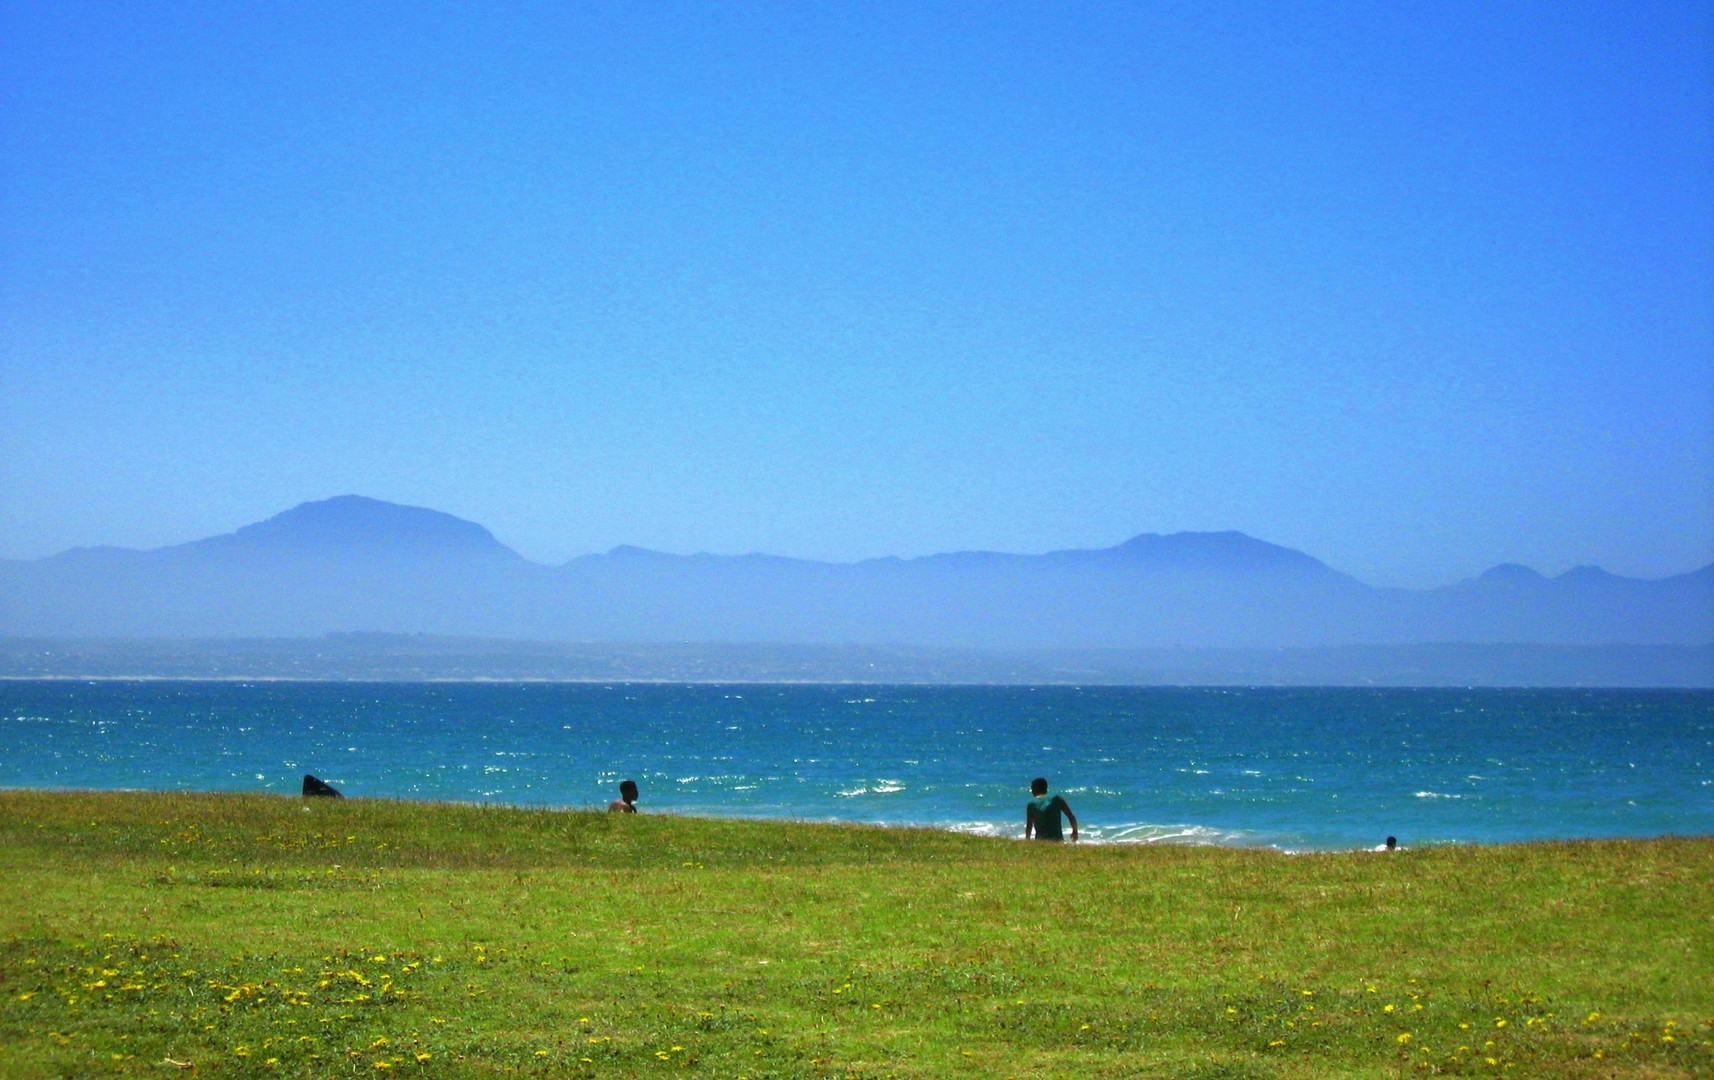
1436	795
879	787
1141	833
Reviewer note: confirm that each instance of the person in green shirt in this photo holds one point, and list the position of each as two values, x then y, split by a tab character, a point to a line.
1041	814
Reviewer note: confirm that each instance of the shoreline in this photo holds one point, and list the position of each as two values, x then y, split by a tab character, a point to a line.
1174	839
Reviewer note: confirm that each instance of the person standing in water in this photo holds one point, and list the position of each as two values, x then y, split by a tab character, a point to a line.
1041	814
626	803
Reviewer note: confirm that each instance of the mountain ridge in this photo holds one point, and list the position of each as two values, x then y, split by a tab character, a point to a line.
357	564
334	522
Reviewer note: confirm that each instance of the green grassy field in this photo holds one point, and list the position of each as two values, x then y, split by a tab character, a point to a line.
204	935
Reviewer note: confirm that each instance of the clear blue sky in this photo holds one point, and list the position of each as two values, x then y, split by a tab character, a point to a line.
1416	288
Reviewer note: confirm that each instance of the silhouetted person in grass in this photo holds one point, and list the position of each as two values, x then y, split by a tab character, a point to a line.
626	803
1392	843
1041	814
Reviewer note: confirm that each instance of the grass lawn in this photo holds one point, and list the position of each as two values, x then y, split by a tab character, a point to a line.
222	935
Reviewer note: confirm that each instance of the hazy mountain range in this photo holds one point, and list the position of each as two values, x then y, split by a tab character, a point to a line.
356	564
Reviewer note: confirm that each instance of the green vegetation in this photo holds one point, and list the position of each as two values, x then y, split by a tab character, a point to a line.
169	935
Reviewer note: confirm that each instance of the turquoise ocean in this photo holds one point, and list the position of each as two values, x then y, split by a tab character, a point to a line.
1297	769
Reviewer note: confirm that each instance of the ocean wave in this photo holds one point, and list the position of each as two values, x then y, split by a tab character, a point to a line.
879	787
1140	833
1436	795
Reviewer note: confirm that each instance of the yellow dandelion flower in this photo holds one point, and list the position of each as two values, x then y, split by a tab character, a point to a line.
424	1055
1389	1008
1404	1038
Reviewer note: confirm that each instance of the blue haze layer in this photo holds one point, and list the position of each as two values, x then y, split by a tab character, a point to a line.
1297	769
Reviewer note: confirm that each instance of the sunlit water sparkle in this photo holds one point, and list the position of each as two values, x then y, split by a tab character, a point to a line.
1298	769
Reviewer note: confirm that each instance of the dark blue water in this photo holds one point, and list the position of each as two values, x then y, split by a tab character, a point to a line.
1293	768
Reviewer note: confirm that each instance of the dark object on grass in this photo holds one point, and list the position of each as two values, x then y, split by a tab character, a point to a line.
314	787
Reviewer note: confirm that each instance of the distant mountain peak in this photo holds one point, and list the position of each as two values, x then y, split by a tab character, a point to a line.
1227	551
632	551
1511	573
1588	575
356	523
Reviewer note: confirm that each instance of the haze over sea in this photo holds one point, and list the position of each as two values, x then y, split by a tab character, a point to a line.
1292	768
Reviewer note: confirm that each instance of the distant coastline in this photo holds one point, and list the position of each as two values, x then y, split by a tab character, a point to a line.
439	659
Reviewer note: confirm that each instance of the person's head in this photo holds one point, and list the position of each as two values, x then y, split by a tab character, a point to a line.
1392	842
628	790
1038	786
